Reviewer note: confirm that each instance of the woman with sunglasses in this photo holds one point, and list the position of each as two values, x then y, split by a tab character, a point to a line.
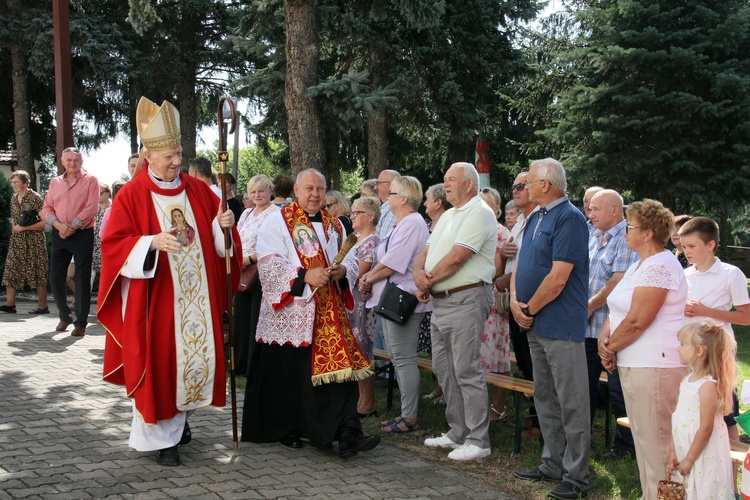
337	206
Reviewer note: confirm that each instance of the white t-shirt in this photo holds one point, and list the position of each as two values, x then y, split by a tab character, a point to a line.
517	234
721	287
657	345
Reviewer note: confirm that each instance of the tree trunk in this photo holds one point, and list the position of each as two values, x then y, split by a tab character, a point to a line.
377	124
332	168
306	148
21	106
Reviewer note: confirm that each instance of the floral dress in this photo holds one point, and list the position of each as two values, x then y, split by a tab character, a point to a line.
711	475
361	318
27	262
495	349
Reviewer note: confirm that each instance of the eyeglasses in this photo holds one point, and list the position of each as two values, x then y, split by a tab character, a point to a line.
629	227
536	180
328	205
355	213
518	187
384	182
71	150
394	194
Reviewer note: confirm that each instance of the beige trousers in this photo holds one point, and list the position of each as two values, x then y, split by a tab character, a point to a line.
650	399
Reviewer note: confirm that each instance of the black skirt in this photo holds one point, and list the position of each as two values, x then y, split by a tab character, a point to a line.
280	400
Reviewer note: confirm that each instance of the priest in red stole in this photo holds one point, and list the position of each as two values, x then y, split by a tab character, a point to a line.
306	363
162	290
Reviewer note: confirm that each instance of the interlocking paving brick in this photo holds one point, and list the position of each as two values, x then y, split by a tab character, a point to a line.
64	434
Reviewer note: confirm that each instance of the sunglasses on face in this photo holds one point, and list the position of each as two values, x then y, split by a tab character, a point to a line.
71	150
518	187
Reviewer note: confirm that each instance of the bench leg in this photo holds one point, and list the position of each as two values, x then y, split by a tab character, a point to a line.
519	420
608	421
391	382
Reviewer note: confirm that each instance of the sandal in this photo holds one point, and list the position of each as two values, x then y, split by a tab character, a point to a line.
432	396
497	415
394	428
8	309
39	310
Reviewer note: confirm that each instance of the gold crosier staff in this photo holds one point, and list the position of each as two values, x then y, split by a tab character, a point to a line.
223	157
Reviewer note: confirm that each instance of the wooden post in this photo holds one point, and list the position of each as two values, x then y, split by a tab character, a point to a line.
63	84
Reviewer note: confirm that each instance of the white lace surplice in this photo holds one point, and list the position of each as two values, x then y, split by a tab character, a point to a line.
278	265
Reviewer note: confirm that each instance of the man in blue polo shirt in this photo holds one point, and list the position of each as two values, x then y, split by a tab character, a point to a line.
549	299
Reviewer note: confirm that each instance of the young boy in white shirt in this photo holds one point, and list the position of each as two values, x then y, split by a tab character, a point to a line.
714	287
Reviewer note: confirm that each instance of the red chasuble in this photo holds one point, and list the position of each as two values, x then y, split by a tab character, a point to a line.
139	350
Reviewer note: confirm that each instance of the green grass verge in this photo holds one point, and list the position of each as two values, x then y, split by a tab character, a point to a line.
609	479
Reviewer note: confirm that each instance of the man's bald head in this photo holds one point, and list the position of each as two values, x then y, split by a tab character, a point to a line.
310	190
384	183
606	209
590	192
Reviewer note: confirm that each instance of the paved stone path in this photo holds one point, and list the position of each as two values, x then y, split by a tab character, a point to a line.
63	434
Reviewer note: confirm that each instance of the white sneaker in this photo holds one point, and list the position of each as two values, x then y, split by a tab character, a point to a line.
469	452
441	442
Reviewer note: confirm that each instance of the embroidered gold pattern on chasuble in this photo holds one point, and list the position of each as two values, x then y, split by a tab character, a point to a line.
193	320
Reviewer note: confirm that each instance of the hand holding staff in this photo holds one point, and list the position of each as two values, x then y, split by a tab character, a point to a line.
350	241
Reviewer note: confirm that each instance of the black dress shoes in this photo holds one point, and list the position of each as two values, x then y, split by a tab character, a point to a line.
535	475
168	457
350	446
291	441
567	491
187	436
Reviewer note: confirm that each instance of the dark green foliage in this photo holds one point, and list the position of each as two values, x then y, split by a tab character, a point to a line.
435	67
660	106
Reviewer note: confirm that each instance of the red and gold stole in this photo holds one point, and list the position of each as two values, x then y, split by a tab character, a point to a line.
336	356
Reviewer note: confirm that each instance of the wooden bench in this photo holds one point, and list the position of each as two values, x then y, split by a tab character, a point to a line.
520	387
738	449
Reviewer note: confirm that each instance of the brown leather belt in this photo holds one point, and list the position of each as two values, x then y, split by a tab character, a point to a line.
448	293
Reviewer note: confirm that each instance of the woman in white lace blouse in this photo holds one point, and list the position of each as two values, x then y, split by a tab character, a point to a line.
247	304
646	310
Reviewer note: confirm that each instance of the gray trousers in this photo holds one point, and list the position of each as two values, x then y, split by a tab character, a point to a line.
562	403
457	327
402	348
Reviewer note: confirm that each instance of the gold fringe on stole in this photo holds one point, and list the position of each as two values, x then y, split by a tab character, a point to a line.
345	375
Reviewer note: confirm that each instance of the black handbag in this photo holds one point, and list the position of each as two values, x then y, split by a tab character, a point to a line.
396	304
28	218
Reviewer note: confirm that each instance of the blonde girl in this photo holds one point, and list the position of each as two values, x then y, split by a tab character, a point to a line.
700	443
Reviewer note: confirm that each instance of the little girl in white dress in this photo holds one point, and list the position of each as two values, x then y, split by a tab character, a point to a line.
700	443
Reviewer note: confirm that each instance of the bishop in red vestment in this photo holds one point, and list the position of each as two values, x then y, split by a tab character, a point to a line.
162	292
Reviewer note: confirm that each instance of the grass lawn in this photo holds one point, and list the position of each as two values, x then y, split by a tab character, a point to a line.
609	480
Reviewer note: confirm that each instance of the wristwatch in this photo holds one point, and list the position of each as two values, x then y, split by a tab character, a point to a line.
525	310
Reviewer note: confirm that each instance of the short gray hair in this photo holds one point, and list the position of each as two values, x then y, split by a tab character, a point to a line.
470	173
510	205
370	206
553	172
437	191
409	187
